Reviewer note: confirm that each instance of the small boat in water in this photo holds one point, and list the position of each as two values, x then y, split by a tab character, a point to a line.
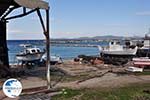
116	50
30	54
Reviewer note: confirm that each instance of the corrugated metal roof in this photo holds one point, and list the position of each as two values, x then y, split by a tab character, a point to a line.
4	4
33	4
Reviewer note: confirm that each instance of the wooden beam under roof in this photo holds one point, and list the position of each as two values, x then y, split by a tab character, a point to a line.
5	4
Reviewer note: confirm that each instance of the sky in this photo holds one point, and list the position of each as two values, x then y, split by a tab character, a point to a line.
85	18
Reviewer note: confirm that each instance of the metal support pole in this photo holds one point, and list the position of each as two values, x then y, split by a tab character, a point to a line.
48	50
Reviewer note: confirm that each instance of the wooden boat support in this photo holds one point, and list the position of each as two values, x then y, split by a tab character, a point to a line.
6	7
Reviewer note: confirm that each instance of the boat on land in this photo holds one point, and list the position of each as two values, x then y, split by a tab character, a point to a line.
54	59
141	61
116	53
144	58
144	51
115	49
134	69
30	54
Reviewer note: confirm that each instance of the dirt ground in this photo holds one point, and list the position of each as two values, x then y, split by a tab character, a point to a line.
101	75
81	76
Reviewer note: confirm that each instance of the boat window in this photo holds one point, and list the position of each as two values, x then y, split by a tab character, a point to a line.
27	51
112	42
33	51
38	50
118	43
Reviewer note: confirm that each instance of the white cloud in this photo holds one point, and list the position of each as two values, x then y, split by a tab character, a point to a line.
14	31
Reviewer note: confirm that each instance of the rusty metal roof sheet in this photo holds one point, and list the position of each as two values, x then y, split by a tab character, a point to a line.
32	4
4	4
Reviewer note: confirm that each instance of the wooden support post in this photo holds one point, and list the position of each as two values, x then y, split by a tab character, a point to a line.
3	45
21	15
4	62
48	50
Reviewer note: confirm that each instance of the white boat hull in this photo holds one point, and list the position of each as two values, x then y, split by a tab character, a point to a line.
53	59
124	52
29	57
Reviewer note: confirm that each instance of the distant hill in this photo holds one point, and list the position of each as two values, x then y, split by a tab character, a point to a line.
110	37
103	37
106	37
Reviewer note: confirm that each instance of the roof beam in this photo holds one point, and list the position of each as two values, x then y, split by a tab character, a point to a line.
21	15
41	20
7	13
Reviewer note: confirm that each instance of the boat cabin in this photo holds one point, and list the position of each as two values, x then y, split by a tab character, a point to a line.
115	46
147	40
32	51
147	43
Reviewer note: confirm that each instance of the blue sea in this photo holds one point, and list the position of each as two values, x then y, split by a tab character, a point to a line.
66	52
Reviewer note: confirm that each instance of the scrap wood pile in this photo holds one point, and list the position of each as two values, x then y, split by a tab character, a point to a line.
89	60
95	60
115	61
